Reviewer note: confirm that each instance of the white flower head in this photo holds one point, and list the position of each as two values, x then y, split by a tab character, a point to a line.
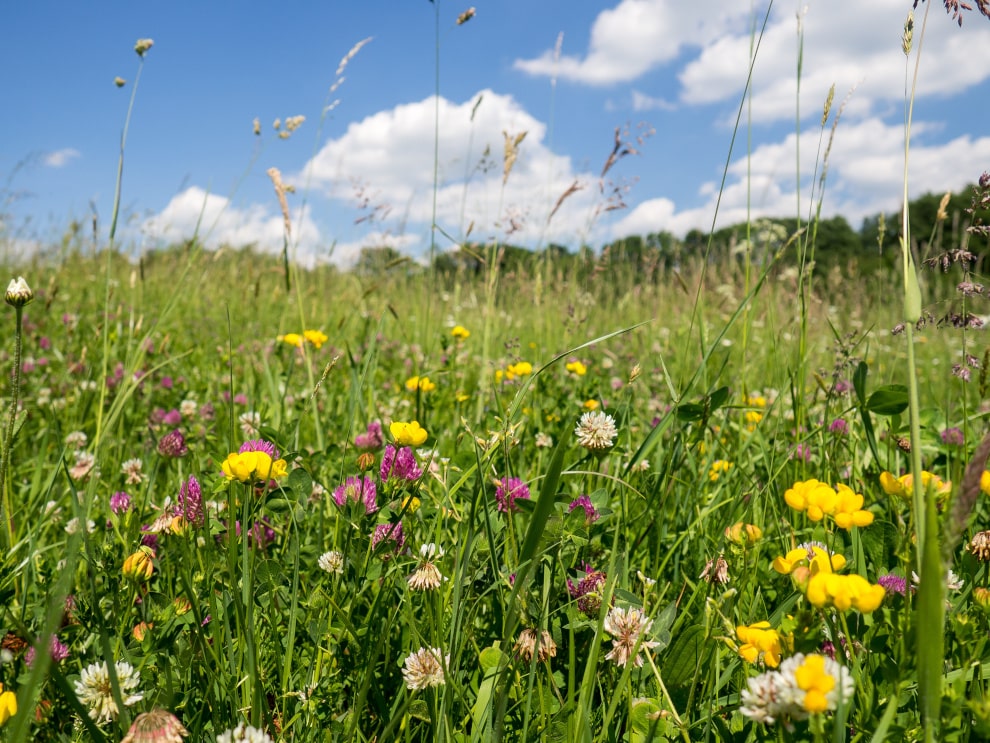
332	562
244	734
94	690
628	627
596	431
425	668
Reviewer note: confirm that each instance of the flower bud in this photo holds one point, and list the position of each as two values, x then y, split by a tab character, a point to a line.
18	293
142	46
139	565
365	461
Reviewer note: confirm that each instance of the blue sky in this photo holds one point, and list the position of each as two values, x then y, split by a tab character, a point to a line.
668	72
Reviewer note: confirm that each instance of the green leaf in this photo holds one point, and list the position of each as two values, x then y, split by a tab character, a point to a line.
685	656
891	399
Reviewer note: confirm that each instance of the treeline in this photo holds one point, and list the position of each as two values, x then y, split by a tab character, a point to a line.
829	242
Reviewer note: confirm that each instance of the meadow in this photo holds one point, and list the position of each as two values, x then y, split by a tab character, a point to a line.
245	500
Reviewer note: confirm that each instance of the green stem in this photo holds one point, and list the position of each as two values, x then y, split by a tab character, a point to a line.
9	433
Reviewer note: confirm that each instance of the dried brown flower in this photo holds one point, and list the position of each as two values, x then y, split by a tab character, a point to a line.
979	546
531	643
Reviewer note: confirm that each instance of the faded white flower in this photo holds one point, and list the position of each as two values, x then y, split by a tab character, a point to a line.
628	627
427	577
188	408
544	440
596	431
331	562
76	440
131	468
531	643
93	689
250	423
244	734
424	668
157	726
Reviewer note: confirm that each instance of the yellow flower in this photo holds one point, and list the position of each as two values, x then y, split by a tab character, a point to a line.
316	337
253	465
460	332
756	401
753	417
813	497
576	367
291	339
816	682
408	434
591	405
410	503
815	557
759	640
742	534
849	510
518	369
718	467
423	384
844	592
139	565
985	482
903	486
461	396
8	705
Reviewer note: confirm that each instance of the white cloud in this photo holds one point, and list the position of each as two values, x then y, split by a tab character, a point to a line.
643	102
217	222
864	177
836	50
634	37
59	158
388	160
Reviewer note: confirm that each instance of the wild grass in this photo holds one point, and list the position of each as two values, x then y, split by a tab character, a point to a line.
661	504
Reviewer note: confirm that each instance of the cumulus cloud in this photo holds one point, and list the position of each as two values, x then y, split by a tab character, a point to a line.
864	177
634	37
837	52
384	167
59	158
216	221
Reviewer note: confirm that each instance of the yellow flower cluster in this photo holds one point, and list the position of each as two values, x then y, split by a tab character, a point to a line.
512	371
139	565
844	592
423	384
759	640
813	570
8	705
253	465
816	682
460	332
814	556
718	467
819	499
576	367
742	534
903	486
408	434
316	337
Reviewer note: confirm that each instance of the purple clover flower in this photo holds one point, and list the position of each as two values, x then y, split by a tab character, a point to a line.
357	491
388	533
588	591
120	502
259	445
189	504
507	491
953	437
893	584
173	445
399	465
839	427
371	439
591	514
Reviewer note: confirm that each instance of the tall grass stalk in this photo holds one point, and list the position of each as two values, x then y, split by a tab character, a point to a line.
930	620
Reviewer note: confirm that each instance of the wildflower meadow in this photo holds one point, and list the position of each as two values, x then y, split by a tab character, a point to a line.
738	493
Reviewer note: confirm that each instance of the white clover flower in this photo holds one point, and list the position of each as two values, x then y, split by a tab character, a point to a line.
244	734
424	668
596	431
94	690
331	562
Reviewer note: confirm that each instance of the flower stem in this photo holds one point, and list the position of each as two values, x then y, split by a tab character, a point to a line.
5	508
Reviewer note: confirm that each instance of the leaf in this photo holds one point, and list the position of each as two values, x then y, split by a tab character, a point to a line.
891	399
685	656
